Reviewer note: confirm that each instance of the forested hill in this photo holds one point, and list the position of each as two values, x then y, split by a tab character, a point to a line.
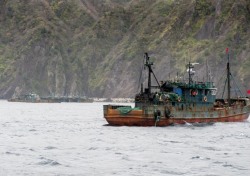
95	47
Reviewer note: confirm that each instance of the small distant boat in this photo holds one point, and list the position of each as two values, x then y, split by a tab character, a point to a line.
29	98
176	102
75	99
34	98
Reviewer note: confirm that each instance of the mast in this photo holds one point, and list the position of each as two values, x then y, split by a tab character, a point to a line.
141	88
228	79
148	64
189	73
207	71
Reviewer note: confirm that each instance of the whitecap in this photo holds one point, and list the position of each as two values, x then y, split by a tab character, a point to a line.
48	162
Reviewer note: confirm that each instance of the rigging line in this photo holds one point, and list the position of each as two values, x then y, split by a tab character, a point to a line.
242	85
222	78
236	85
223	75
245	88
209	72
140	78
156	79
224	88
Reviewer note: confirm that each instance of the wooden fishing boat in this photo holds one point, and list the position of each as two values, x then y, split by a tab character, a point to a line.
178	102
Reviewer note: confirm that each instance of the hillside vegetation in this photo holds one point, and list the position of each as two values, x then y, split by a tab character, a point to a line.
95	47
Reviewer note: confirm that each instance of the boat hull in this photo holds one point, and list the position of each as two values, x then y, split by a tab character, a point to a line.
140	118
134	121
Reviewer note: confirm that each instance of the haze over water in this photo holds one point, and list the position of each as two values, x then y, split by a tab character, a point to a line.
71	139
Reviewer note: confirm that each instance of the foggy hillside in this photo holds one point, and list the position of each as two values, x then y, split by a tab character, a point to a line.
95	47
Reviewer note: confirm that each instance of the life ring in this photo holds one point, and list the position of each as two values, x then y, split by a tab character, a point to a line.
205	98
179	99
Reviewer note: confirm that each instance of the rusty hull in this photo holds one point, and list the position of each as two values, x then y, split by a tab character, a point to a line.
147	118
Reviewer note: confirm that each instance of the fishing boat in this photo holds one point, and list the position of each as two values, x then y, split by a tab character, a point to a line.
179	102
29	98
35	98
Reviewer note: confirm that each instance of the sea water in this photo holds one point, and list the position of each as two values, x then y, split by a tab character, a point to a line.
73	139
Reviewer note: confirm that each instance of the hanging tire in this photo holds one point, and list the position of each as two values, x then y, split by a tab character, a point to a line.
179	99
205	98
157	114
167	113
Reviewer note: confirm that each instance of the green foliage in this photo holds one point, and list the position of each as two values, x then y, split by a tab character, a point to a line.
203	8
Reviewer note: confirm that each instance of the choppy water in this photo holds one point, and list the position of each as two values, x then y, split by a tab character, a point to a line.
72	139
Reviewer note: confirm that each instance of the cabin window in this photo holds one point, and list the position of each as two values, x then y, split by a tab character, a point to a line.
203	92
206	92
213	92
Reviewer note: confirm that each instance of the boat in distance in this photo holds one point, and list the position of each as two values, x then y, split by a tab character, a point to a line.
177	102
35	98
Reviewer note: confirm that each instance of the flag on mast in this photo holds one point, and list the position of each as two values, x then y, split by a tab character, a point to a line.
248	92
